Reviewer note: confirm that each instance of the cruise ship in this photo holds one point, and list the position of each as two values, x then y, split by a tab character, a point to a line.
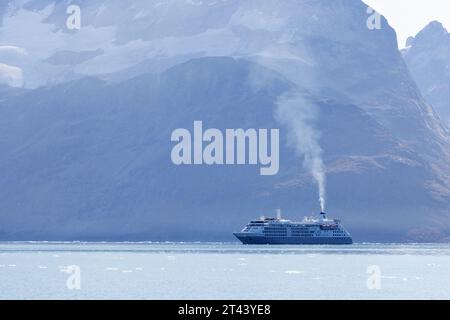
312	230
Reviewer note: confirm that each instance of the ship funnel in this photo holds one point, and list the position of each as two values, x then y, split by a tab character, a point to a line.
279	214
323	215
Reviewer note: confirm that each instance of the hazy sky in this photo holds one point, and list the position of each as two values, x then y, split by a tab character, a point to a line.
408	17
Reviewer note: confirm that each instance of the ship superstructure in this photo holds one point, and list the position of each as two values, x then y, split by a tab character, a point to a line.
312	230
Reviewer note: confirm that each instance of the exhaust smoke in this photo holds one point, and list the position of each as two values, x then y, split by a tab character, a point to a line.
298	115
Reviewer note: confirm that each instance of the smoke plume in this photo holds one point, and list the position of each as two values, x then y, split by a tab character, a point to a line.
299	116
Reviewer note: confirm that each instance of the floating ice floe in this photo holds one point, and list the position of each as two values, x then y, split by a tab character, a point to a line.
293	272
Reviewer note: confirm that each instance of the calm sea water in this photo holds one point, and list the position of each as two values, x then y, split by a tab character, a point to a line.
223	271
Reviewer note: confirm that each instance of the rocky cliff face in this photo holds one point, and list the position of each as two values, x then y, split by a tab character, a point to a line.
428	59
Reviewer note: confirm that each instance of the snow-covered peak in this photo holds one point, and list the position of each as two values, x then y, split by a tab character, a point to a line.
119	39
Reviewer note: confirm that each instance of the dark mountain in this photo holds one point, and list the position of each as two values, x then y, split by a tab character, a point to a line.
90	159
